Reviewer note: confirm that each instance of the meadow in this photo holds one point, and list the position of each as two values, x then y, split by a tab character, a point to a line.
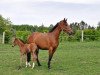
70	58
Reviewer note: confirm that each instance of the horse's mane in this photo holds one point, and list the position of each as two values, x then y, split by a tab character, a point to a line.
54	27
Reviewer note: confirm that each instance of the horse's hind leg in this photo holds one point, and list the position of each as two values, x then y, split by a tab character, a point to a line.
28	58
37	52
34	57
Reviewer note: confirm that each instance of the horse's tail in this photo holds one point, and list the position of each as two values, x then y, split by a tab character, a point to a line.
29	56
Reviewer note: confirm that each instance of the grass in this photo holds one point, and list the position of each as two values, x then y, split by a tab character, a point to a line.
71	58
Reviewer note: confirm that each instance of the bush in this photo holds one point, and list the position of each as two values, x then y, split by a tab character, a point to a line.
91	35
8	36
77	35
23	35
19	34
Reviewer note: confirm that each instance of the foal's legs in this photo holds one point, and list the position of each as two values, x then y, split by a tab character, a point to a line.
51	52
21	59
34	57
37	52
28	58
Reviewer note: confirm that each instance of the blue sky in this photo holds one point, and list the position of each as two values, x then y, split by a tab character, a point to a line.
36	12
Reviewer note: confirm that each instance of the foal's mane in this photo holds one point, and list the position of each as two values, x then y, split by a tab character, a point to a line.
21	40
54	27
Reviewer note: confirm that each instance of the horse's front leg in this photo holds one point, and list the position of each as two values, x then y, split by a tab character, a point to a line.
21	57
51	52
37	52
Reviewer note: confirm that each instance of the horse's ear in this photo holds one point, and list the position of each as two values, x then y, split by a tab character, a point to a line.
66	19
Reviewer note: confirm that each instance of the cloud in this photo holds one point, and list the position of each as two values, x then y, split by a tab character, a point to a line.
49	11
78	1
65	1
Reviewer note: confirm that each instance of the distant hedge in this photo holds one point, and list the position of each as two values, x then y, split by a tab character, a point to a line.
19	34
89	35
8	36
23	35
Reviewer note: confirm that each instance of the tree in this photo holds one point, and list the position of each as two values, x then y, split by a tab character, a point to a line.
90	27
24	27
5	24
75	26
50	27
83	25
98	27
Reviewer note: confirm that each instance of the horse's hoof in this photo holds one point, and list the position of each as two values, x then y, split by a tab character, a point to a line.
32	68
39	65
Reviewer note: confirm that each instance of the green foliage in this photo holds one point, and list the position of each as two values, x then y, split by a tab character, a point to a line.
8	36
5	24
23	35
19	34
63	37
42	29
30	28
98	27
22	31
24	28
91	35
76	36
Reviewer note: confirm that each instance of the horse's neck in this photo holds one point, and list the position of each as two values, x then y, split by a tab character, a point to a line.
56	32
20	44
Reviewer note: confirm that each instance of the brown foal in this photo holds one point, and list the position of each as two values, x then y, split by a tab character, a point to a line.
26	49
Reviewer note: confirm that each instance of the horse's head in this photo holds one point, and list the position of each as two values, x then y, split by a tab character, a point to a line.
65	27
14	43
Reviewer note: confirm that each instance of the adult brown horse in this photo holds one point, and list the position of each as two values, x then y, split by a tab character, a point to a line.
26	49
49	41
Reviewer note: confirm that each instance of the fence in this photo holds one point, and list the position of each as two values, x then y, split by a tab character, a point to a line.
0	38
79	36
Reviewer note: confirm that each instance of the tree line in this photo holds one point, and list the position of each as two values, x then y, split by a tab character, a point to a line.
7	26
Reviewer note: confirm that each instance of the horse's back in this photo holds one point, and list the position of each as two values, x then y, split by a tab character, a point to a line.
42	40
31	37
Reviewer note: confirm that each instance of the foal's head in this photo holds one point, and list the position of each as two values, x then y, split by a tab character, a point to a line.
15	42
65	27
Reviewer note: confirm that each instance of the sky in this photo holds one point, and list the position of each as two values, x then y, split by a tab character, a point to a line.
38	12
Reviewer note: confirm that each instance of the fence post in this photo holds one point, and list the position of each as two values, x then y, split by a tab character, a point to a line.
82	35
3	40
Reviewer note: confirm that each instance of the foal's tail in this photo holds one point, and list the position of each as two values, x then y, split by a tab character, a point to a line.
29	57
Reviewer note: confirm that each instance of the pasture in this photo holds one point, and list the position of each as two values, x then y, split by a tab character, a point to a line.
71	58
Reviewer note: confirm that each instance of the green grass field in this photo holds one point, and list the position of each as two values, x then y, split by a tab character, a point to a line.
71	58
